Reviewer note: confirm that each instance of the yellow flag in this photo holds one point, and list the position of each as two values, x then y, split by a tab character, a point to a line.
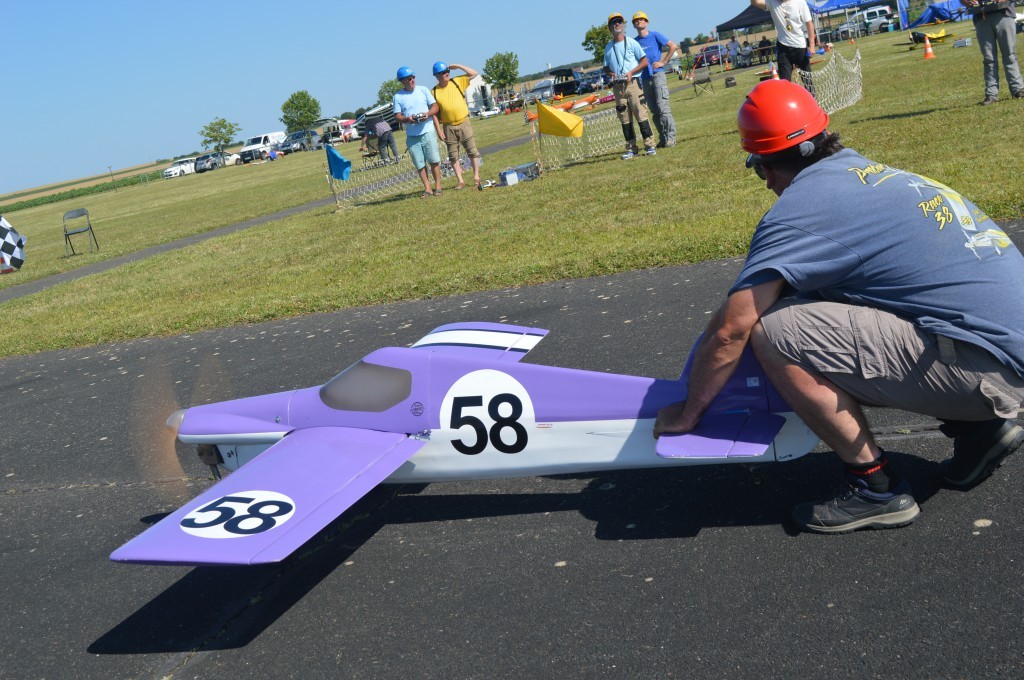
558	123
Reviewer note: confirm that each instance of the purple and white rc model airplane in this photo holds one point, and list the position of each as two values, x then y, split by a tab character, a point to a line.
456	405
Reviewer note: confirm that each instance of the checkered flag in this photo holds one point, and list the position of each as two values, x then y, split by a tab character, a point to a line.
12	247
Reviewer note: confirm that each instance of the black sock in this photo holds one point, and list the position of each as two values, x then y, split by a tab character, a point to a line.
879	474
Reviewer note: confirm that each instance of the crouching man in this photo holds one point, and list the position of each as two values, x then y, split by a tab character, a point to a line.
895	291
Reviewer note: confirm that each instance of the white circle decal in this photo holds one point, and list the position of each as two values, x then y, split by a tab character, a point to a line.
240	514
488	411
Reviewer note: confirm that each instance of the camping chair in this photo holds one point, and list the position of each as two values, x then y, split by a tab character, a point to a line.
78	228
372	153
702	81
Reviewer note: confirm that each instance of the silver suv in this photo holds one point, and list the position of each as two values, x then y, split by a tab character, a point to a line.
300	140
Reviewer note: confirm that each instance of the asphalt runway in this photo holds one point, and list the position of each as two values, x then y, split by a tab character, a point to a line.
692	572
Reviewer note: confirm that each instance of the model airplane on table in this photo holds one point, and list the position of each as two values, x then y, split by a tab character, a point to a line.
457	405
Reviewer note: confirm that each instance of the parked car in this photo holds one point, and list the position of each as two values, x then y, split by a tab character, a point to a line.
568	82
181	167
870	20
209	161
300	140
217	159
541	91
258	147
710	55
487	113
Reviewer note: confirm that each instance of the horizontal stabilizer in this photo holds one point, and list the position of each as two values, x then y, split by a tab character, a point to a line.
729	435
275	503
495	341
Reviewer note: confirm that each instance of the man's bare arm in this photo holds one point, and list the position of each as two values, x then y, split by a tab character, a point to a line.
667	56
718	354
758	4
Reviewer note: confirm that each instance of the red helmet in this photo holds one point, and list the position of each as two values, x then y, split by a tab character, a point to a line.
777	115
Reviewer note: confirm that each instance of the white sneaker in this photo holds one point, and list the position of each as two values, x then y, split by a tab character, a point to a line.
651	151
629	154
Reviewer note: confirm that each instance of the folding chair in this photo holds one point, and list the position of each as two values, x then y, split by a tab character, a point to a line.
78	228
372	153
702	81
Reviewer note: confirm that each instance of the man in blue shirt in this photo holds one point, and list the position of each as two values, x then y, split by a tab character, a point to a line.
624	59
894	291
653	78
415	108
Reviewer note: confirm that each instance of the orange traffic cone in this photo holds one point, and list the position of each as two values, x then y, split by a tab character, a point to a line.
928	54
775	72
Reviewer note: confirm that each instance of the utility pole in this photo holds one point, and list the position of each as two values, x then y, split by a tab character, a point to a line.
111	171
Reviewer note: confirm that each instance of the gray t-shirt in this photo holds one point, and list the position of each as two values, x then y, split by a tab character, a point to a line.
851	230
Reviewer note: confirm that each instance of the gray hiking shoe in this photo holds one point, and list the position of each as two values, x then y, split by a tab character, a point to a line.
977	454
854	507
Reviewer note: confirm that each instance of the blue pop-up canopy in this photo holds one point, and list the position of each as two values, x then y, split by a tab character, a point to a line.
951	10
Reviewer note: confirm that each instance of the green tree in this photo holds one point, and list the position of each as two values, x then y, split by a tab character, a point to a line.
218	133
300	111
501	70
595	40
387	91
700	39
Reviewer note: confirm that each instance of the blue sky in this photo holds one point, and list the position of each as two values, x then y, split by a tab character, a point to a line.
94	84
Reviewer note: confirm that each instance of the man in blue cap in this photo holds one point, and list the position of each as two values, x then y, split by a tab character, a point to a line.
415	107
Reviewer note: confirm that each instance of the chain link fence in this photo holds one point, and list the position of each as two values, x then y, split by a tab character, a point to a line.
377	180
836	86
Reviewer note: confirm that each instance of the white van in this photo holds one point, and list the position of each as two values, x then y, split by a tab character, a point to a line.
873	19
259	146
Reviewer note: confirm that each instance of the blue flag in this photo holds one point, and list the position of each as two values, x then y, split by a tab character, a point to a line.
338	165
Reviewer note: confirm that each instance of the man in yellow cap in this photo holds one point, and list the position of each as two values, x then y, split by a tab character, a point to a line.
659	51
623	60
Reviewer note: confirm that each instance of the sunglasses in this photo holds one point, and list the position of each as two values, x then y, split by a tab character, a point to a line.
445	72
754	162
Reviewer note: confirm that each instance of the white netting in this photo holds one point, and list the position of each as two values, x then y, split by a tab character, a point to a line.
837	85
378	180
602	133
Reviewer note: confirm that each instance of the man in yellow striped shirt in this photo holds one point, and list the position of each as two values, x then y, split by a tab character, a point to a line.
454	127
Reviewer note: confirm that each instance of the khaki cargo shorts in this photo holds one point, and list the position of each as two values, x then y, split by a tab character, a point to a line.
460	133
881	359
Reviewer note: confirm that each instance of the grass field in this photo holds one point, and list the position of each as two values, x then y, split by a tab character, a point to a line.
690	203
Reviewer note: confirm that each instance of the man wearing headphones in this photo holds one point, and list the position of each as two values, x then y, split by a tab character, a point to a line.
895	292
623	60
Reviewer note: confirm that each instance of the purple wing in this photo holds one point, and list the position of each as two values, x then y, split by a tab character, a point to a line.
491	341
275	503
724	436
